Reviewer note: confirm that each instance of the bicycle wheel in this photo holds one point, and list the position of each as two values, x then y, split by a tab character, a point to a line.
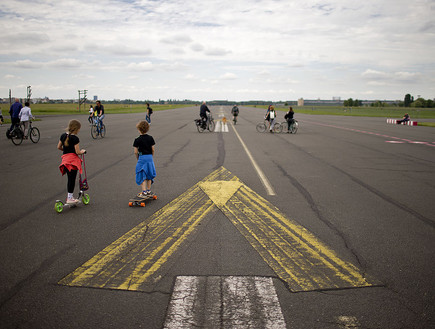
261	127
17	136
277	128
200	127
294	127
284	126
34	135
211	126
94	131
103	131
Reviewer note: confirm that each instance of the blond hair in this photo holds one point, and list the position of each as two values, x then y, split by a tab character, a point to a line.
143	127
73	127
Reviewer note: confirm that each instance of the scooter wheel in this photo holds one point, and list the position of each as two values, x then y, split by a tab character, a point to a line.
86	198
58	206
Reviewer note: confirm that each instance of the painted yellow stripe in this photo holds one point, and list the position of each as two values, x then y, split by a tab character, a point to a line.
132	259
299	258
296	255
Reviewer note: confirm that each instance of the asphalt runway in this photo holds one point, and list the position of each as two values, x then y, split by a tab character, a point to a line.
359	188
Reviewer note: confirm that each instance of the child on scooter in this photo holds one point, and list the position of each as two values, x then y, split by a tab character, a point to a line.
71	163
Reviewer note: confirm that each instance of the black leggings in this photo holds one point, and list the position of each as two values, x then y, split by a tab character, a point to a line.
71	180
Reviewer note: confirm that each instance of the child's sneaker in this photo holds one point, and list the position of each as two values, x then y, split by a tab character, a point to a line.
142	195
72	201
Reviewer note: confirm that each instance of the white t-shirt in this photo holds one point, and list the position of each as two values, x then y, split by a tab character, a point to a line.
25	114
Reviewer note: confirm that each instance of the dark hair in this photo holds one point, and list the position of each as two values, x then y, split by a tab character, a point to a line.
26	103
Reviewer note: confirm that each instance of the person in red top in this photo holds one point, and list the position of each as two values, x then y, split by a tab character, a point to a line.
71	163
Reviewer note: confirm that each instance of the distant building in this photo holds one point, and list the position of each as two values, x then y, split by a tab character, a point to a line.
95	98
300	102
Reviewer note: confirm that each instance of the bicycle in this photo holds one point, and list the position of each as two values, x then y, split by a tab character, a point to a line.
98	129
209	124
17	134
293	126
263	126
235	119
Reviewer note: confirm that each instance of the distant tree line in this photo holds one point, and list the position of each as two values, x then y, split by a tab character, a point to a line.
419	102
352	103
407	102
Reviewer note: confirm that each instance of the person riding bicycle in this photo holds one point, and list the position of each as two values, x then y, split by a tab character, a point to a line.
405	118
100	113
235	111
271	117
25	115
14	111
91	114
203	113
289	117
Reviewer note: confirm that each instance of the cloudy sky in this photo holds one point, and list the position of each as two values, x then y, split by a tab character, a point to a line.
225	49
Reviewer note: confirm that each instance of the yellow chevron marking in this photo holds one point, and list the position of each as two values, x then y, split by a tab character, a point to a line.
296	255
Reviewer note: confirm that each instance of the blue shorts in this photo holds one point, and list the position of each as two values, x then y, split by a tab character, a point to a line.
145	169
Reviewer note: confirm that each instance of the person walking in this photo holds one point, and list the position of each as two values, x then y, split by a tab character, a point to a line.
149	112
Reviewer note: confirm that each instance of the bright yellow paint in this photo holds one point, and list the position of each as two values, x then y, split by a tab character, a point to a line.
296	255
220	191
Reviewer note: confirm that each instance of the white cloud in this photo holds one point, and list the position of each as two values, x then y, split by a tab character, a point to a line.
373	74
27	64
83	76
215	51
298	48
228	76
143	66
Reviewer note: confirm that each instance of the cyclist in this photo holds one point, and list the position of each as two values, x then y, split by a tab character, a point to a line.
289	117
14	111
271	117
25	115
91	114
100	113
235	112
203	114
405	118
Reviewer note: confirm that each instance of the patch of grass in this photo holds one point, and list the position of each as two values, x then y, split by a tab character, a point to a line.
59	109
427	124
384	112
